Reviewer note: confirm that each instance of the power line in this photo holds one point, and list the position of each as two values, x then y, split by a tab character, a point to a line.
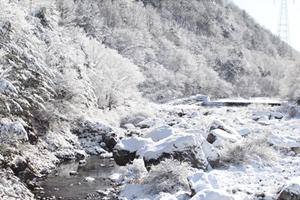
283	23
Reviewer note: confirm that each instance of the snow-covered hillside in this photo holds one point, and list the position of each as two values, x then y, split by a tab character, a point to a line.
79	78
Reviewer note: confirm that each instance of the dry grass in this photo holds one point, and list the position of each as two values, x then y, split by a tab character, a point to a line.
251	150
168	176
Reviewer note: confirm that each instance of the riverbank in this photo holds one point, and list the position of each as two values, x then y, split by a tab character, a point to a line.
250	146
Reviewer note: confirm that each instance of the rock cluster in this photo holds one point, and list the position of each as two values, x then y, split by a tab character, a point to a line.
95	137
167	141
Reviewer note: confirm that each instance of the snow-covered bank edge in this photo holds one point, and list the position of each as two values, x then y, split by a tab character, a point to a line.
265	142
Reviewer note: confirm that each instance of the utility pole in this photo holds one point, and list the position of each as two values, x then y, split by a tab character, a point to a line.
283	31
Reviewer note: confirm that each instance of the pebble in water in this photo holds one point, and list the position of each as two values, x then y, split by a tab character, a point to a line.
82	162
73	173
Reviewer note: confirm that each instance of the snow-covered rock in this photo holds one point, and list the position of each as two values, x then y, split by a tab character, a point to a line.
266	114
165	142
220	135
160	133
284	141
146	123
218	132
181	123
133	144
129	127
182	146
217	124
196	131
259	114
211	153
238	120
89	179
291	191
195	114
82	162
263	120
72	173
277	115
212	194
244	132
125	150
199	181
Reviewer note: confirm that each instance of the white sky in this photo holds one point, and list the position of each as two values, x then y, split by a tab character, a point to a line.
267	14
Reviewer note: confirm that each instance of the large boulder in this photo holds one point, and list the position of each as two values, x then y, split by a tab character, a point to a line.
125	150
291	191
182	147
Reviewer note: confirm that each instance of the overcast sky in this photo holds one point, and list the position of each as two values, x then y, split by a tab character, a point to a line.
266	13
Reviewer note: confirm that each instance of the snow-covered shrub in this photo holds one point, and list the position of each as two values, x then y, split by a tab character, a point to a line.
291	109
133	172
255	150
136	112
134	118
168	176
44	119
5	150
12	132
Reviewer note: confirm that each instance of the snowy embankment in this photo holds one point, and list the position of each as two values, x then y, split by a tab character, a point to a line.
244	153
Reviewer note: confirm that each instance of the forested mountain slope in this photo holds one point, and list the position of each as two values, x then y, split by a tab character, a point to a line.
72	67
187	47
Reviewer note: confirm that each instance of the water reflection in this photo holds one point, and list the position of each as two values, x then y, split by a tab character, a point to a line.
61	184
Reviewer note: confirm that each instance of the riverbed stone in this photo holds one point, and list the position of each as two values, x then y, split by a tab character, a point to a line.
146	123
82	162
122	157
72	173
277	115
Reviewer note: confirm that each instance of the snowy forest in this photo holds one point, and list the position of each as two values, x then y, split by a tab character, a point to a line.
76	76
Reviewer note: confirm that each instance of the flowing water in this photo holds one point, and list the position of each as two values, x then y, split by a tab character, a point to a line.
65	186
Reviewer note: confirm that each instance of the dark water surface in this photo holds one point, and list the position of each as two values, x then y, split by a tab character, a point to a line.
61	184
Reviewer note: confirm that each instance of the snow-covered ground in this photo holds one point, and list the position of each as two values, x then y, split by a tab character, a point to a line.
257	164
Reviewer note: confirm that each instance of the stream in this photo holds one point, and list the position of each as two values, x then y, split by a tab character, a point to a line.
61	185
